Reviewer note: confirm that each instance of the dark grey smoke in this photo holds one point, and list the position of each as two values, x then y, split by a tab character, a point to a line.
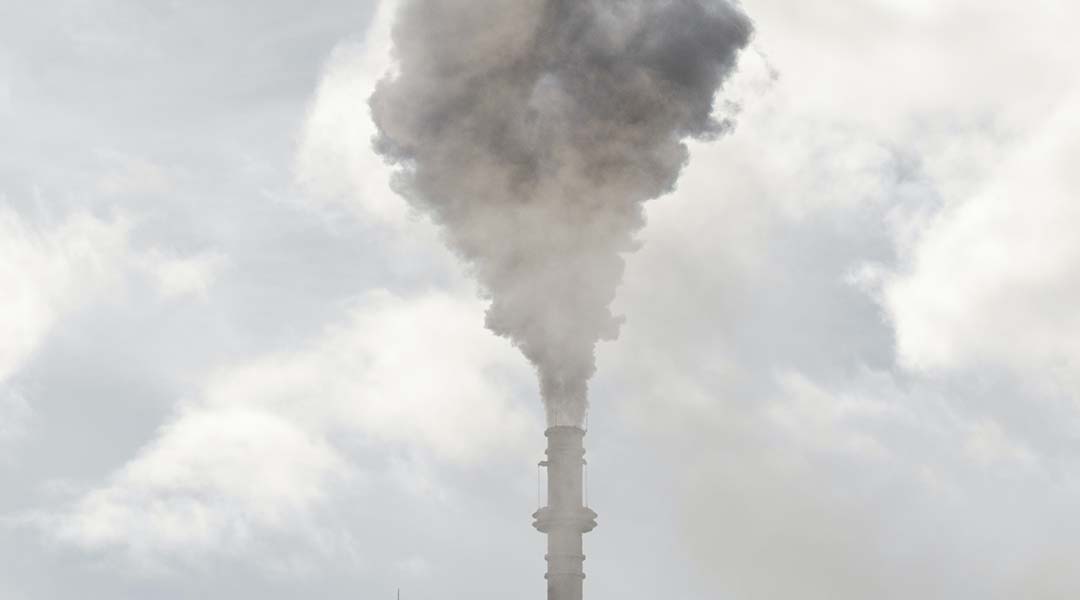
533	131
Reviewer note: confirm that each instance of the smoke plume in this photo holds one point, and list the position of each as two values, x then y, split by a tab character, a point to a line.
533	131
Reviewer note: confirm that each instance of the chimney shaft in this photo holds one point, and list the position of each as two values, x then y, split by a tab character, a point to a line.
566	517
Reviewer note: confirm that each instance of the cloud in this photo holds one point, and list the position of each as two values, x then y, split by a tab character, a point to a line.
212	483
821	421
842	430
273	440
988	445
878	488
48	270
846	393
992	279
5	98
52	270
334	162
176	277
125	175
339	175
415	371
15	416
254	467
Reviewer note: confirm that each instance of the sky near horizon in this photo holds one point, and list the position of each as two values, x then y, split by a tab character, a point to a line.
234	364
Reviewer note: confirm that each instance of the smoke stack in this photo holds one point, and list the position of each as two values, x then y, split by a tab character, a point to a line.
533	132
566	518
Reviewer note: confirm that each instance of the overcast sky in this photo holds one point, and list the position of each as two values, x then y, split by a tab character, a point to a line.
233	364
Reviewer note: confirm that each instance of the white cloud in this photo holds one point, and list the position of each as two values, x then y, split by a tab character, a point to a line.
419	371
213	482
404	383
45	272
132	175
52	269
993	279
180	276
49	270
337	169
257	457
865	488
990	446
335	163
819	420
888	125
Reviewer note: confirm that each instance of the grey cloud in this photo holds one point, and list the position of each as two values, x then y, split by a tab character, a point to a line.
533	132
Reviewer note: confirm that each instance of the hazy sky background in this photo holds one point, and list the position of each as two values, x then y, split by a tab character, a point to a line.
234	365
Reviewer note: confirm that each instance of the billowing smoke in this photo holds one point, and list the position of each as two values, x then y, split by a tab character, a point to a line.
533	131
